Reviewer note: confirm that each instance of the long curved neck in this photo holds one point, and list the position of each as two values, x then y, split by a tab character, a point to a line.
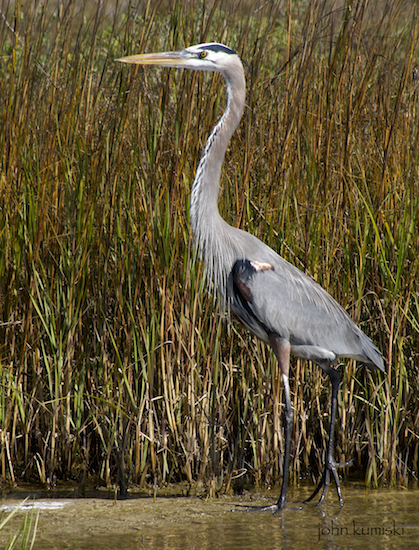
207	225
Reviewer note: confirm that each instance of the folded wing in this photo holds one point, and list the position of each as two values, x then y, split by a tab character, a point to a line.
278	298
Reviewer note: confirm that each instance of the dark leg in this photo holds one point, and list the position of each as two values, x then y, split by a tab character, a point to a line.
281	349
289	415
331	465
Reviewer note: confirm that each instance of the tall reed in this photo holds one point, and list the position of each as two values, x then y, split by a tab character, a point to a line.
115	366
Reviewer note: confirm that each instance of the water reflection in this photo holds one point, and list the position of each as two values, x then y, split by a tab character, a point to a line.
386	519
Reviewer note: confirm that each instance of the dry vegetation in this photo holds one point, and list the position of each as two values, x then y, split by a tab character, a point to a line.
114	365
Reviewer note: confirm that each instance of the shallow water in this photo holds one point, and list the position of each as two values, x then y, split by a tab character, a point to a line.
376	518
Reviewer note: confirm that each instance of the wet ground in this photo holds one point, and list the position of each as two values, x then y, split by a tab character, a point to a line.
387	519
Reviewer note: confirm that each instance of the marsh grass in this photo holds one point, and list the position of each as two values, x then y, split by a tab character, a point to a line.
24	537
115	367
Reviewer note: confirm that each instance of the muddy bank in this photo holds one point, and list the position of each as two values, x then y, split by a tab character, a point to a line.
387	519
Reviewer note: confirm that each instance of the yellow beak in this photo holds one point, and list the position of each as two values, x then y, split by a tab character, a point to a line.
166	59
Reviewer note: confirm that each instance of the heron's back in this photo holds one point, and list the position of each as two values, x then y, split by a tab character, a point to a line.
287	302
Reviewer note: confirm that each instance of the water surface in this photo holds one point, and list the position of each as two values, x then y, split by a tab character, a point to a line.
387	519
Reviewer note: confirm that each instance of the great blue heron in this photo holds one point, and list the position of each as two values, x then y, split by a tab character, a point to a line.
276	301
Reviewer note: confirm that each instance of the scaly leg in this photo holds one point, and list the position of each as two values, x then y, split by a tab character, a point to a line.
331	465
281	348
289	415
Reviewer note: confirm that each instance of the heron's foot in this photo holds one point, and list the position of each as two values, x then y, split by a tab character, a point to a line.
330	467
274	508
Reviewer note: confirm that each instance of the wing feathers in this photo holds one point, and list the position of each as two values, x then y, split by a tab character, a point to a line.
269	299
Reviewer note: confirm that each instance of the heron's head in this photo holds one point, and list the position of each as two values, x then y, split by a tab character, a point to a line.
202	57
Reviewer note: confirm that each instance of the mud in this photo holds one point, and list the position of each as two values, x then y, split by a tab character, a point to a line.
169	519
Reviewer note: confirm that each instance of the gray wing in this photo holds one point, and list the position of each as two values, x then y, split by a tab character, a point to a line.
271	297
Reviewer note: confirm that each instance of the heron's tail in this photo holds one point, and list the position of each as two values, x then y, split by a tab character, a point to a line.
373	356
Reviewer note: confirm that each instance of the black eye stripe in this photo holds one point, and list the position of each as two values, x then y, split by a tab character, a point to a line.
219	48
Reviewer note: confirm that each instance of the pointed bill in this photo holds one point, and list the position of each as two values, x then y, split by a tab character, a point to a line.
166	59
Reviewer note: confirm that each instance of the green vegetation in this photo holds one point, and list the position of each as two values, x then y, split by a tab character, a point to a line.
115	366
24	538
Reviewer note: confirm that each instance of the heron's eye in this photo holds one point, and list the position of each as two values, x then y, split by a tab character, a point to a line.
202	55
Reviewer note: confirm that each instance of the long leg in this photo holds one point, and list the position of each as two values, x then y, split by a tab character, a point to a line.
281	348
331	465
289	415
